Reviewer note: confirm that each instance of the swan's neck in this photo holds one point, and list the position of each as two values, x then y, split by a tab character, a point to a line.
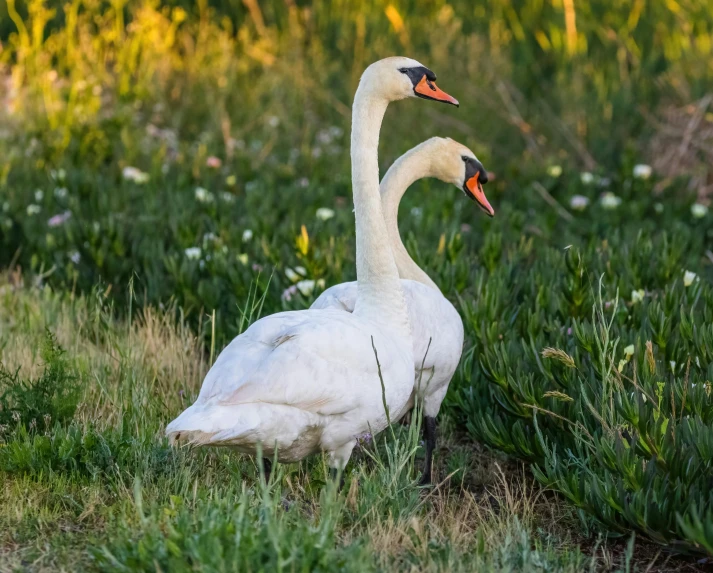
379	294
406	170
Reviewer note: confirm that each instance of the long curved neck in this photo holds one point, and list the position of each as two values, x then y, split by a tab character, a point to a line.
407	169
379	294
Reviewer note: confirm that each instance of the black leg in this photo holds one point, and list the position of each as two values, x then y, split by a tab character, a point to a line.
429	436
333	473
267	468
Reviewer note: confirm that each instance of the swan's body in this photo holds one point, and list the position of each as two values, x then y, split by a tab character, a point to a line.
296	383
434	320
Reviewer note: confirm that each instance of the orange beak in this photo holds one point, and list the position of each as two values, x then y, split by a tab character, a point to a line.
476	192
429	90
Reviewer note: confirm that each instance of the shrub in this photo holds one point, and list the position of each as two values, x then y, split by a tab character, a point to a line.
614	406
51	398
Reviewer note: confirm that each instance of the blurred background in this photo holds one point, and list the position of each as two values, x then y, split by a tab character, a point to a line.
132	130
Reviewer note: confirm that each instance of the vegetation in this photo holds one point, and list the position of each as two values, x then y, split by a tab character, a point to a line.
170	172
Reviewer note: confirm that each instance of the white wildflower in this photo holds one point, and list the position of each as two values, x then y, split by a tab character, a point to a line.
247	235
193	253
642	171
637	296
587	178
273	121
33	209
321	283
291	275
699	210
579	202
60	192
306	287
39	195
323	213
135	175
417	212
629	351
75	257
688	278
658	207
243	258
303	182
227	197
554	170
203	195
610	201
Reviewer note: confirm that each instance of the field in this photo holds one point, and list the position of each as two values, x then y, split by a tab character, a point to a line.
170	172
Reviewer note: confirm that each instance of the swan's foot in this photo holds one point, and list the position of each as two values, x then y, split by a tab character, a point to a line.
429	437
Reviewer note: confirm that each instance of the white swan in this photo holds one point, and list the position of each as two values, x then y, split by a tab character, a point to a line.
433	317
307	381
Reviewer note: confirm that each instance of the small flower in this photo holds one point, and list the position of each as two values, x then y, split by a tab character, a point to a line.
642	171
417	212
465	228
33	209
658	207
231	180
323	213
672	364
273	121
688	278
303	182
637	296
554	171
58	175
209	237
289	292
213	162
243	258
604	182
292	275
610	201
203	195
193	253
579	202
301	271
227	197
60	192
257	268
629	351
39	195
59	219
586	177
75	257
306	287
699	210
135	175
321	283
247	235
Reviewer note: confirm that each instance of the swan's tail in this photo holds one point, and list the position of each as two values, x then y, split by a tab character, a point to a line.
243	426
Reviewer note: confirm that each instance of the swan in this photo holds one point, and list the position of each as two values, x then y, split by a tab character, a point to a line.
434	320
297	383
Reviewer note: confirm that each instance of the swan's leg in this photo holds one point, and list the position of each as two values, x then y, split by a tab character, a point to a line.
338	459
267	468
429	436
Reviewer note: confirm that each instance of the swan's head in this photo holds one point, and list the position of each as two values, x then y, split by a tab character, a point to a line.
398	78
454	163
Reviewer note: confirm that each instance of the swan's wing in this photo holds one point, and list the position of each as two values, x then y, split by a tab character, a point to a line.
340	297
433	318
320	361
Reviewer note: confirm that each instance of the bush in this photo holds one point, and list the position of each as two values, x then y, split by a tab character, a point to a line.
51	398
612	405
